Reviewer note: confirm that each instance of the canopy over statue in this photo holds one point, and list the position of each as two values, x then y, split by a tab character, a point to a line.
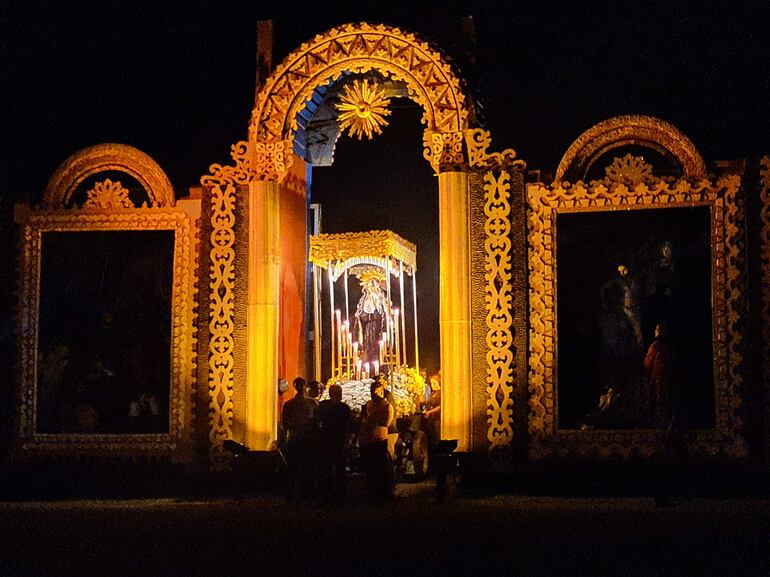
374	338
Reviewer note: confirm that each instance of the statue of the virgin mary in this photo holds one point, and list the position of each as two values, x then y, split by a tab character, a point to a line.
371	313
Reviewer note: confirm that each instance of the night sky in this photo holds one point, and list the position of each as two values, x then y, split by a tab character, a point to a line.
176	80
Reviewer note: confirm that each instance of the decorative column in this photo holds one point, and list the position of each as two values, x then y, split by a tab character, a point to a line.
455	306
263	306
263	314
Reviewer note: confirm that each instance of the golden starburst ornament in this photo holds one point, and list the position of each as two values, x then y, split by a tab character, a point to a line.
363	108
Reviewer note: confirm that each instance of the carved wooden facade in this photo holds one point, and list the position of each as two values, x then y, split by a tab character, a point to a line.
107	207
499	264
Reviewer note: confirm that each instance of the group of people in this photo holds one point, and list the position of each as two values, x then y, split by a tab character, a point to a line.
315	437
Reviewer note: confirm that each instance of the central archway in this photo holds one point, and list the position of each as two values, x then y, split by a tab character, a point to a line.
428	80
359	48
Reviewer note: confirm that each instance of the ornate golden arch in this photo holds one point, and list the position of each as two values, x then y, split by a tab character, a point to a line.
359	48
104	157
627	130
261	163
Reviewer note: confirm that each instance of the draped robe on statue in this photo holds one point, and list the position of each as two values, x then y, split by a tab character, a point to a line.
370	316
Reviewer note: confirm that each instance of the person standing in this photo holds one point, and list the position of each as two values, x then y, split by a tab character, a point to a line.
431	416
373	441
297	429
333	418
660	365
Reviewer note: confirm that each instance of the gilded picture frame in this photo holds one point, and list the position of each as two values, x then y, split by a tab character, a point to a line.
173	441
547	438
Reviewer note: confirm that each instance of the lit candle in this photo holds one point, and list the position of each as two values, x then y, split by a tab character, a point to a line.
366	371
376	367
397	343
347	351
384	347
339	340
358	369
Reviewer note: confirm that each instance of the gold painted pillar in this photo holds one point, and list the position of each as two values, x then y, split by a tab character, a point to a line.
455	306
263	314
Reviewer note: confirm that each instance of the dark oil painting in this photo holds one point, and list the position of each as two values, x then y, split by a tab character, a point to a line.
634	319
104	352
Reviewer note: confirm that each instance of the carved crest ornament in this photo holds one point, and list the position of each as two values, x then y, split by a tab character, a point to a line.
108	194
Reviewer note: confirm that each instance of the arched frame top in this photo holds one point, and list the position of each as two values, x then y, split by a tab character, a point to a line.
106	157
359	48
621	131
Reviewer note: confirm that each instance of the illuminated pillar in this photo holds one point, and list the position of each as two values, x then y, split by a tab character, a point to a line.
455	304
263	314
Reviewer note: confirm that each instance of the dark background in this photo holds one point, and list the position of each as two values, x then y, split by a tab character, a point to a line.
176	80
96	300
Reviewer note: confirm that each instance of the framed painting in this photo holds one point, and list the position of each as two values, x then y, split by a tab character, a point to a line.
635	306
106	345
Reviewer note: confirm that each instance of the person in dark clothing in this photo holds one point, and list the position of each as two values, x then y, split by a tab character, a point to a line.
373	441
333	419
297	431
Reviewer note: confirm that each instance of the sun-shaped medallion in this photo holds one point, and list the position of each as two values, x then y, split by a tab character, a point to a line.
363	108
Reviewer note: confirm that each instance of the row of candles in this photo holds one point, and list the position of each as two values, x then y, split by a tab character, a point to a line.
347	362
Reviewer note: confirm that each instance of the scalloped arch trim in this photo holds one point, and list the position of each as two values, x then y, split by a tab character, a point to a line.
626	130
105	157
360	48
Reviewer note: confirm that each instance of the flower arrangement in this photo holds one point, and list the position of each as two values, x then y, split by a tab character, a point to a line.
412	381
408	387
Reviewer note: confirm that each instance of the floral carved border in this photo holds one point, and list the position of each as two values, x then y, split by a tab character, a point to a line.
176	442
544	203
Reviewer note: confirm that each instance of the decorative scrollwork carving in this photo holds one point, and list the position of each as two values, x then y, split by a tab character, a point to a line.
466	150
359	48
726	223
499	320
477	141
222	187
444	150
108	194
272	159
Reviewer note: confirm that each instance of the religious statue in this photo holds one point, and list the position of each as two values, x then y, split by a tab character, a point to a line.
622	344
371	314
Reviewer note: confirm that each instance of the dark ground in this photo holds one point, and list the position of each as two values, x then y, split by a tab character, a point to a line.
602	525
